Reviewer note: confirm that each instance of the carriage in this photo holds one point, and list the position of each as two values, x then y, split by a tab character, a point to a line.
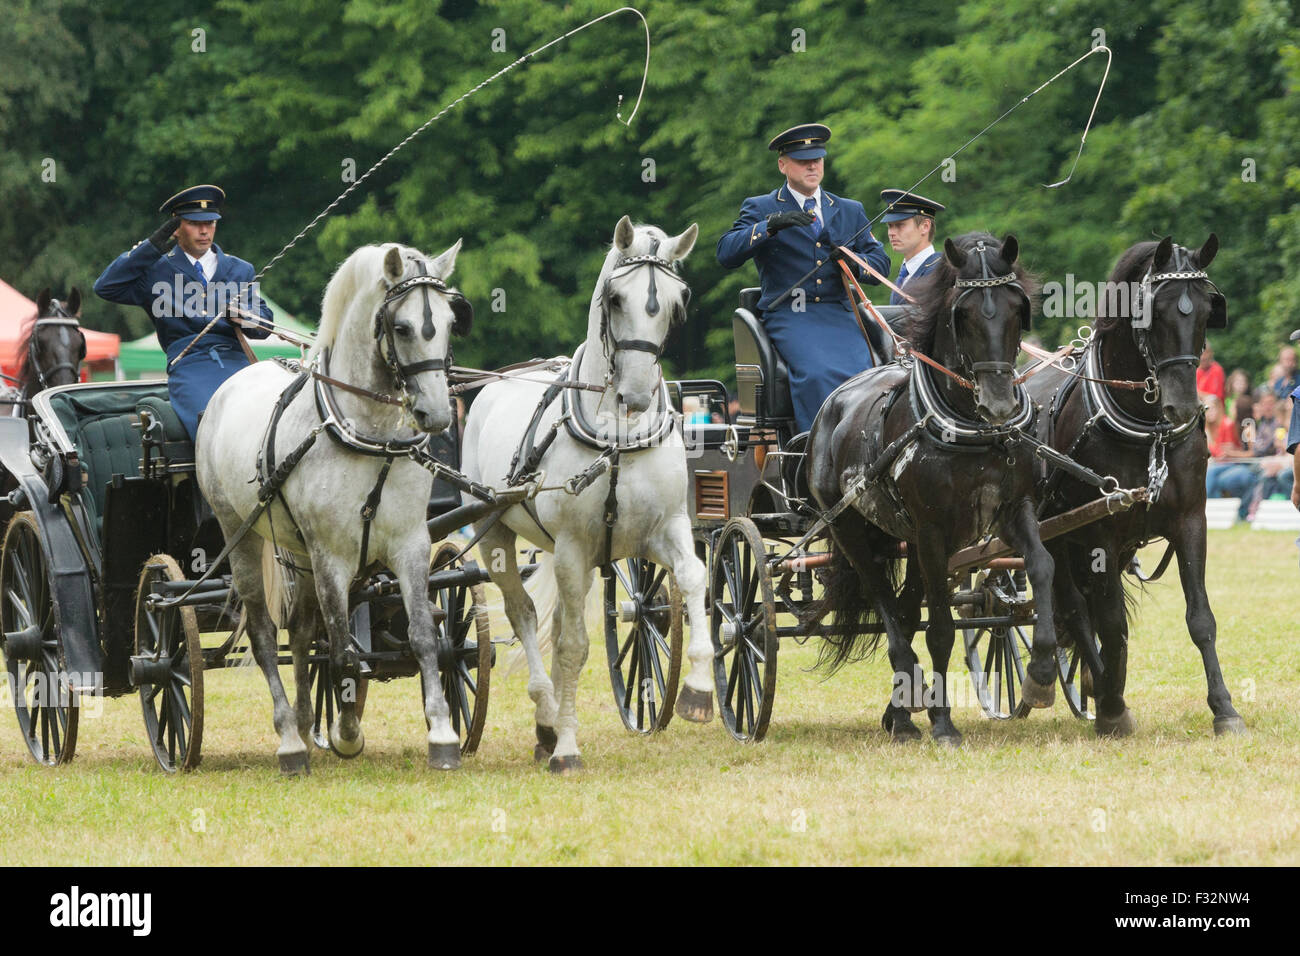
758	533
107	545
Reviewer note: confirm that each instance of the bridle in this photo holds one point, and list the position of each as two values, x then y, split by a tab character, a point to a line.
60	318
386	337
1144	311
987	282
610	342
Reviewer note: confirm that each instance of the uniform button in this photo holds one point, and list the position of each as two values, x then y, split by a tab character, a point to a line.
819	281
819	245
817	298
819	262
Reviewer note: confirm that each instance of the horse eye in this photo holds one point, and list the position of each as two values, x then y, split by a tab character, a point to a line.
402	330
616	301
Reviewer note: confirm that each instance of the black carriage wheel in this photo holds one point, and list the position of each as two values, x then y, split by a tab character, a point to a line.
742	625
325	702
1076	681
171	695
464	652
47	710
996	658
645	654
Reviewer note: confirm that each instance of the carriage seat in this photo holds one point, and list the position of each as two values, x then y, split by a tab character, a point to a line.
108	445
174	441
762	377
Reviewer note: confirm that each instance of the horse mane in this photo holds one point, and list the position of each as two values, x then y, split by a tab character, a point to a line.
26	373
934	292
347	281
1131	267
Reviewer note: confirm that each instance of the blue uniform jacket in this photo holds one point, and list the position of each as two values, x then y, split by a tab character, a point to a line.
927	267
784	258
169	288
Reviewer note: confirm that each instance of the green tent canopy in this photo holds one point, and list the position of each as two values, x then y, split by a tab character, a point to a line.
144	358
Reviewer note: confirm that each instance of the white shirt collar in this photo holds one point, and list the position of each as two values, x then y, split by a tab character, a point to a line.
800	198
916	262
207	262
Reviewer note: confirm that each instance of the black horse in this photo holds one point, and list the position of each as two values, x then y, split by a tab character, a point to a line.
940	465
53	350
1145	437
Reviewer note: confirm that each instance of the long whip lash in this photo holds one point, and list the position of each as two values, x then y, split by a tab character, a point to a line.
1100	48
296	340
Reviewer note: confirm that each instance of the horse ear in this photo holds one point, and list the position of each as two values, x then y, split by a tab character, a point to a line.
624	234
43	303
953	254
1205	255
680	246
74	302
443	266
462	315
393	268
1010	250
1163	252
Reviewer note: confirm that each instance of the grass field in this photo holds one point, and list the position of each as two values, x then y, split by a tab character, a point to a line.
826	787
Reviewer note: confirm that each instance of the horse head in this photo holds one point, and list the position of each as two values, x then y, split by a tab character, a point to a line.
988	307
1174	304
640	299
387	321
56	346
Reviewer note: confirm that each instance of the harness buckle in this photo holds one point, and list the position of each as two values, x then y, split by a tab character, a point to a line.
1151	390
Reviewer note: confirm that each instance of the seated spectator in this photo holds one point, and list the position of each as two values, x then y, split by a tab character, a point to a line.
1238	385
1266	444
1285	377
1209	375
1227	476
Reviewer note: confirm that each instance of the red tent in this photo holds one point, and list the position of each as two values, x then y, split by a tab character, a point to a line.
17	312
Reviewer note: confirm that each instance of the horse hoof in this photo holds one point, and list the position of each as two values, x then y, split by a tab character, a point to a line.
1037	695
296	764
444	756
1121	726
695	706
541	754
565	765
1229	725
347	749
950	740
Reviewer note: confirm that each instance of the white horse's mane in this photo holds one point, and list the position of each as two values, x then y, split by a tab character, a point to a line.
346	287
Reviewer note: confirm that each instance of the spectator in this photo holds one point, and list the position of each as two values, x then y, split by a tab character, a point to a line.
1292	440
1209	375
1286	377
1274	469
1227	476
1238	385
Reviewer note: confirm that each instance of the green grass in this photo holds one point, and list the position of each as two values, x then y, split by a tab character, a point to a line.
825	787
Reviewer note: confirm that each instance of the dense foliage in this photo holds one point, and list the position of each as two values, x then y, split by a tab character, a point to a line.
1198	131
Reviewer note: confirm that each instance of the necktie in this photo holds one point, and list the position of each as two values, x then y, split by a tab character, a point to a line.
902	274
202	276
810	205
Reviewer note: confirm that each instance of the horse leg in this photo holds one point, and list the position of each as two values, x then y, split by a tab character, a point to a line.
676	551
411	565
1114	719
332	581
1189	544
932	553
909	605
304	625
498	548
1073	622
1021	531
573	578
868	554
246	573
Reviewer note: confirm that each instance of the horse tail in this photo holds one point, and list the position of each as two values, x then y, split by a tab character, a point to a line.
852	607
542	588
277	586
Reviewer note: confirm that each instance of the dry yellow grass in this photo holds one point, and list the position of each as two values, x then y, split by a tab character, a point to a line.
825	787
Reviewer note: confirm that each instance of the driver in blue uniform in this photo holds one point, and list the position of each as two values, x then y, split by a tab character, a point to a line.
183	286
794	230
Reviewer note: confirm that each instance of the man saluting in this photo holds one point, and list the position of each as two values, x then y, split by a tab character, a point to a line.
183	288
793	231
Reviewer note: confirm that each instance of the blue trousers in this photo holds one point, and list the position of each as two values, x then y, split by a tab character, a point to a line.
1227	479
194	380
823	347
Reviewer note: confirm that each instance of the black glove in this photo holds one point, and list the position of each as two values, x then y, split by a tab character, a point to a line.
160	238
837	255
784	220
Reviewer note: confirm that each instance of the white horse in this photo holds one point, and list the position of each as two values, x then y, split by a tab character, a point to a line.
638	299
386	326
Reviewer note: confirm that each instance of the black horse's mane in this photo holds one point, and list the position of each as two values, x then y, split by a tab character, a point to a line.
935	292
1131	267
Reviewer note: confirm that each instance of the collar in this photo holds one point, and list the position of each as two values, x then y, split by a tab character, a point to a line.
917	261
800	198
